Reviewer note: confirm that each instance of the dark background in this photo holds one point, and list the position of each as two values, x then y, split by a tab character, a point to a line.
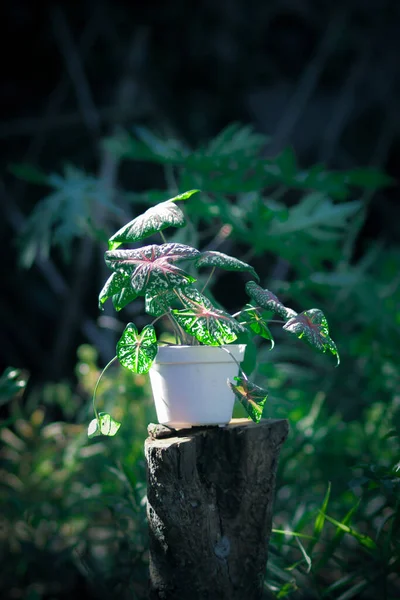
321	76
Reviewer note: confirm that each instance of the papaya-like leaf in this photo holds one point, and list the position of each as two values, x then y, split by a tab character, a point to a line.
137	351
151	268
211	258
165	214
268	300
312	326
250	395
118	287
103	425
203	321
253	319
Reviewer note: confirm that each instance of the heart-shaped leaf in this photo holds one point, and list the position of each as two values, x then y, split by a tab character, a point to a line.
165	214
253	319
268	300
118	287
211	258
150	268
103	425
251	396
312	326
137	351
203	321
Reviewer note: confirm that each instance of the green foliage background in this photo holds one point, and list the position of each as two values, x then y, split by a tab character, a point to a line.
74	510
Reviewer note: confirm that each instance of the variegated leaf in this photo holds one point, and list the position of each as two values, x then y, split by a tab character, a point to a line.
203	321
253	319
211	258
251	396
268	300
165	214
103	425
157	304
150	268
312	326
118	287
137	351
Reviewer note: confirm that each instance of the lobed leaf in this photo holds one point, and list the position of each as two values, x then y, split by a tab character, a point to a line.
103	425
151	267
251	396
165	214
312	326
203	321
137	351
212	258
268	300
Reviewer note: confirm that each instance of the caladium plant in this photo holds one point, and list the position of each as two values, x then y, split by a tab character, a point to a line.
162	277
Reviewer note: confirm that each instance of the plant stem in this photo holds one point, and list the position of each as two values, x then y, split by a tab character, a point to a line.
163	237
256	308
208	280
97	383
236	361
174	327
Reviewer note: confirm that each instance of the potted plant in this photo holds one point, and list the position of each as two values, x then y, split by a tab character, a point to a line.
189	378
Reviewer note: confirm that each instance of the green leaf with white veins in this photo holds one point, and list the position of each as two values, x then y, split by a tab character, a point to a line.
212	258
150	268
137	351
312	326
118	287
103	425
156	218
203	321
250	395
268	300
157	304
253	319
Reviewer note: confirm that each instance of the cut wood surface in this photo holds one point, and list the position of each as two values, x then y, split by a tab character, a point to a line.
210	500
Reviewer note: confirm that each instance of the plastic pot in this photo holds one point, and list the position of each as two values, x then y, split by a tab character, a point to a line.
189	384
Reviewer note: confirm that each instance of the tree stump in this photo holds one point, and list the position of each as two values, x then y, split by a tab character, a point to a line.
209	505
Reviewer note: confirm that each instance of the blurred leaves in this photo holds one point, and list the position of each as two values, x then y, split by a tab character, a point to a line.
64	215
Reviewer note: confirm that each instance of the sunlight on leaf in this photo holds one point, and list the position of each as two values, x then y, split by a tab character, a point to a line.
118	287
137	351
184	196
364	540
104	425
312	326
203	321
251	396
158	303
165	214
254	320
151	267
223	261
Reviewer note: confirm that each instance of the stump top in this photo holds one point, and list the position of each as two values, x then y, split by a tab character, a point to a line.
158	432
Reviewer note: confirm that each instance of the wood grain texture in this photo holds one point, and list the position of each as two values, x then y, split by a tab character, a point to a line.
210	500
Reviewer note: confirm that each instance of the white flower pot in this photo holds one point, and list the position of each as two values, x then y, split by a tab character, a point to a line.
190	387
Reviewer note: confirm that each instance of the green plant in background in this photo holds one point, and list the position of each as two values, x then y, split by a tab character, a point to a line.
300	228
151	273
72	510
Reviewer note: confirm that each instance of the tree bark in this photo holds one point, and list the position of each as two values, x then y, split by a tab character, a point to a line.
209	504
